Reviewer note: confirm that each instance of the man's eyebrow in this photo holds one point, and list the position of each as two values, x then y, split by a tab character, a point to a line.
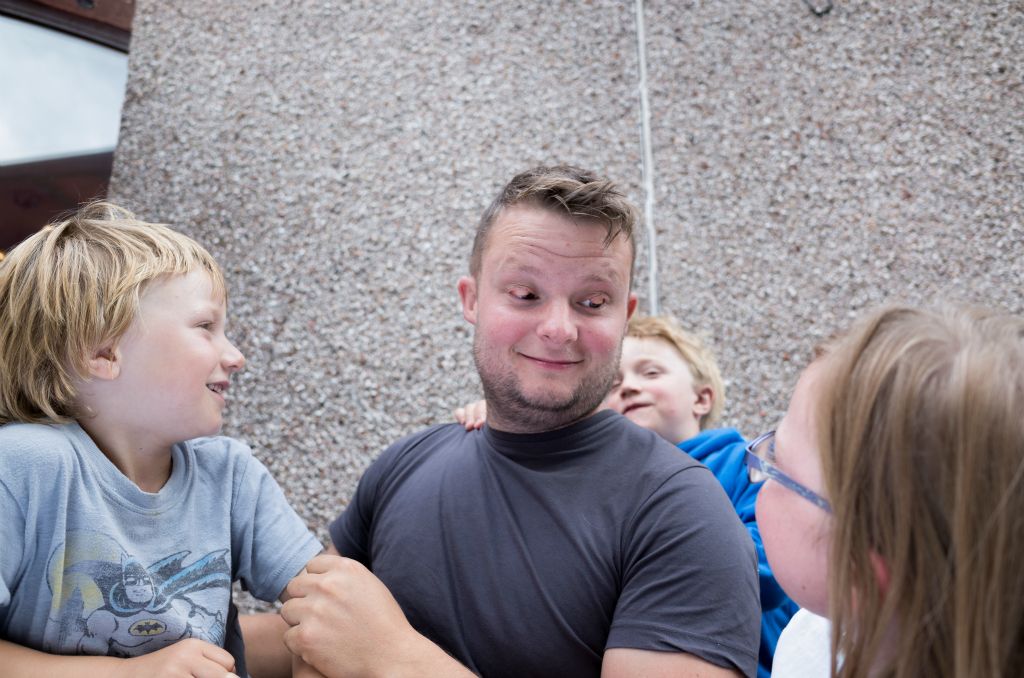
514	266
609	278
530	269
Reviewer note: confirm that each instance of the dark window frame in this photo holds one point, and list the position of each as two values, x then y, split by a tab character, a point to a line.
33	193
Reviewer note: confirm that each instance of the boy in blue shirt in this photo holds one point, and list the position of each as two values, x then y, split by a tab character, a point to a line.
123	523
669	382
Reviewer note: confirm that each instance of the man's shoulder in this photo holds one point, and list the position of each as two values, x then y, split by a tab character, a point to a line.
450	432
662	470
427	442
648	448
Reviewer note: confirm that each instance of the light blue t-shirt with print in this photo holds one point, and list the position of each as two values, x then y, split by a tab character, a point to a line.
91	564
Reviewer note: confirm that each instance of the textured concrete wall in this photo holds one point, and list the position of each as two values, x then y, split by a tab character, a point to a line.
335	157
811	167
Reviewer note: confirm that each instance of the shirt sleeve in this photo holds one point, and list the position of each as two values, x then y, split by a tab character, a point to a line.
12	533
33	471
350	531
270	542
690	576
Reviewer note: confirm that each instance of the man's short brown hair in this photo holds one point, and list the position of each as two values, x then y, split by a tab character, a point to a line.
562	189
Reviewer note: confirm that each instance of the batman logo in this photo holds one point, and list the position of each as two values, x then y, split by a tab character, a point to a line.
147	627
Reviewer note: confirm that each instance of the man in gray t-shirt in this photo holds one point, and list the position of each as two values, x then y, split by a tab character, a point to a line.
554	528
558	540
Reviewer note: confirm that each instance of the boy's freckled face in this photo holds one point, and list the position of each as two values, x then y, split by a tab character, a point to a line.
655	389
176	361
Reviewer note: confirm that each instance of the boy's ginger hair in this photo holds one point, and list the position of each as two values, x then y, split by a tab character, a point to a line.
72	288
694	352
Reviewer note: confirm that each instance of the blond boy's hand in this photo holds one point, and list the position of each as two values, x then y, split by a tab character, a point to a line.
191	658
473	415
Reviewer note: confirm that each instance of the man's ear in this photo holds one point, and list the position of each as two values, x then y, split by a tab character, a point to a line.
705	400
467	293
104	363
631	305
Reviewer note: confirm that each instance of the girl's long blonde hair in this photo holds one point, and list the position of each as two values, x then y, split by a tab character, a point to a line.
921	429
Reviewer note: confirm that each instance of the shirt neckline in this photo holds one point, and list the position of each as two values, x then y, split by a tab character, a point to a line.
119	488
549	443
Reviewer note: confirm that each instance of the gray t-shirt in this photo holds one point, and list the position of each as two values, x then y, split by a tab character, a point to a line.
530	555
91	564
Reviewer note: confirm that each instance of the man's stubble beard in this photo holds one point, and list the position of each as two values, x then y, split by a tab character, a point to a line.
509	409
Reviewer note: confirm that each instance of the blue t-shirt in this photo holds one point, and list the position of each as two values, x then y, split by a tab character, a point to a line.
724	452
91	564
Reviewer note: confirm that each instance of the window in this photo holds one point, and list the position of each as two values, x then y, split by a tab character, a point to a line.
60	112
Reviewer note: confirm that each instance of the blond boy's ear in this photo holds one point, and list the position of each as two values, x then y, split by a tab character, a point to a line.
104	363
705	401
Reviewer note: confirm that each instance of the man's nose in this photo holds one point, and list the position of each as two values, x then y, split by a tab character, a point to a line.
558	324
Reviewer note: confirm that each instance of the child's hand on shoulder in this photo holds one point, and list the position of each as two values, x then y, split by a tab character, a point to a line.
473	415
190	657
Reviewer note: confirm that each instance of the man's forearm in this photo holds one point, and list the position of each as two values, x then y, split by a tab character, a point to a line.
431	660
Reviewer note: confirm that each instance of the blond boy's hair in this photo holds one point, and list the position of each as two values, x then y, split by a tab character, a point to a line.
921	434
694	352
72	288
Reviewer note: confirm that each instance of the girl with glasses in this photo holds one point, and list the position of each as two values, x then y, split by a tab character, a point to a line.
910	429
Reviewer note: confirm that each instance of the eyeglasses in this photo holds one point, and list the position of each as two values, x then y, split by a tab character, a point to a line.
761	466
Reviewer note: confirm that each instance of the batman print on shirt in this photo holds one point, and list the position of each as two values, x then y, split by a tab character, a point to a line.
109	600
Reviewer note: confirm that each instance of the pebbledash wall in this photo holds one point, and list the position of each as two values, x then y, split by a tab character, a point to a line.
335	157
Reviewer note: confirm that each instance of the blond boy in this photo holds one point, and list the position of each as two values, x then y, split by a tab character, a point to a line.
123	523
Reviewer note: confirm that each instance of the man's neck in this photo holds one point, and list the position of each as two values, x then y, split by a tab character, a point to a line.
527	422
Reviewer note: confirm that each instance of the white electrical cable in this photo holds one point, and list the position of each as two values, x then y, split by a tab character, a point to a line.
647	160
